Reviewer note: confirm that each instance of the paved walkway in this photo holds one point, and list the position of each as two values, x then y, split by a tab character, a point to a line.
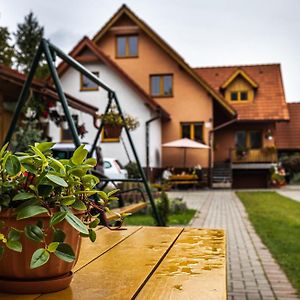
290	191
252	272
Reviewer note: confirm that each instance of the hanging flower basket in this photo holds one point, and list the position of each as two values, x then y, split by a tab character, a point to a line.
112	131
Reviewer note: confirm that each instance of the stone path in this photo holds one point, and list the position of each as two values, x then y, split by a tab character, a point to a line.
290	191
252	272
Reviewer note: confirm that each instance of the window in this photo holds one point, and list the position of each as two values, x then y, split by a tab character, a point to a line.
248	139
161	85
127	46
193	131
255	139
86	84
66	134
239	96
234	96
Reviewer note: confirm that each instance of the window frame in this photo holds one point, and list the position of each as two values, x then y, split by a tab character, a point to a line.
82	88
239	96
62	130
192	130
248	138
161	85
127	47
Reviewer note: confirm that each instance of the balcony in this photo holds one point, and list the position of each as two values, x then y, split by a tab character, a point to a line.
264	155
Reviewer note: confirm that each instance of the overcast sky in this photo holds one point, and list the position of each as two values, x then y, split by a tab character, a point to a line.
203	32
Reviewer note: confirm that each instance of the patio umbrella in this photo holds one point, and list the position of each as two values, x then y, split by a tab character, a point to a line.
185	143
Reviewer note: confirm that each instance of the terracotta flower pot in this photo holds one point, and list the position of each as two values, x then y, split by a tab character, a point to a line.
15	273
112	131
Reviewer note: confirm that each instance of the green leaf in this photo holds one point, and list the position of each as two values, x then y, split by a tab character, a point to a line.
30	168
23	196
91	161
57	180
40	154
79	155
79	170
12	165
57	217
89	181
59	235
45	146
1	251
52	246
58	164
94	223
3	149
13	235
103	195
39	258
79	205
30	211
34	233
92	235
112	192
65	252
68	200
14	245
76	223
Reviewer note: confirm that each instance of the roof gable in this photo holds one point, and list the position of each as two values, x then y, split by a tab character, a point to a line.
86	50
125	16
269	103
236	74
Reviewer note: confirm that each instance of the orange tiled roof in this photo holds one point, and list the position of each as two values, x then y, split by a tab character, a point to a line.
269	102
287	135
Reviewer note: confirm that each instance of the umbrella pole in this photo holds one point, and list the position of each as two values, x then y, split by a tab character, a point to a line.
184	157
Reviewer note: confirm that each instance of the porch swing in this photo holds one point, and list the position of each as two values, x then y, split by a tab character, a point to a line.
50	51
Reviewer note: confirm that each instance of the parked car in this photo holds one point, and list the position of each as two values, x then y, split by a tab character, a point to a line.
109	167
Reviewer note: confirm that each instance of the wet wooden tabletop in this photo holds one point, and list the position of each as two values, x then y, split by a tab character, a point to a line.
147	263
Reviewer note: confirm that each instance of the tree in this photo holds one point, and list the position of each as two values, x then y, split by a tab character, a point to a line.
28	37
6	51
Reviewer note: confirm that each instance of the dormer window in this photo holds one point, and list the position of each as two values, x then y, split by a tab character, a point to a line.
126	46
239	96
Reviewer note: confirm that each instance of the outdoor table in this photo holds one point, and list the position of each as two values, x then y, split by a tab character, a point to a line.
147	263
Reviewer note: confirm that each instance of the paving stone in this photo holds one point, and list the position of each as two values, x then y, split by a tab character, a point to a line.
251	269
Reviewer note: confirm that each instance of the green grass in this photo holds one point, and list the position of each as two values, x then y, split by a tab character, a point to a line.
276	220
182	218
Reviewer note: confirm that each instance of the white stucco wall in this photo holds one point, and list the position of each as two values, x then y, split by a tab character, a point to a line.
130	102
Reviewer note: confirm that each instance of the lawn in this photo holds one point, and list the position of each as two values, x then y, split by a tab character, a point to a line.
276	220
182	218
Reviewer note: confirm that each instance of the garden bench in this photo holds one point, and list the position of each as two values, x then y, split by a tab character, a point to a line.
184	179
147	263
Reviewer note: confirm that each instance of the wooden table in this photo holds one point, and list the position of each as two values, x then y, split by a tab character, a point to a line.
147	263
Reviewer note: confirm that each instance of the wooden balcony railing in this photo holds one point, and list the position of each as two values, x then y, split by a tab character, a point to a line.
264	155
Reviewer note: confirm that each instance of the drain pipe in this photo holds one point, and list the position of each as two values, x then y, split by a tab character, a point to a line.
147	123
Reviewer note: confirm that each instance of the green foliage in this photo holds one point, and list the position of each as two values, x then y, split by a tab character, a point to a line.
162	204
112	117
183	218
276	220
28	37
133	171
291	163
6	50
34	183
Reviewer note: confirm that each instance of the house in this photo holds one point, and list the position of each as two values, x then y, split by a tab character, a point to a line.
287	134
11	82
234	109
248	142
133	101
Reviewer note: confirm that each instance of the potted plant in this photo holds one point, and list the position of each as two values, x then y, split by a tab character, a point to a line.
241	152
46	206
113	123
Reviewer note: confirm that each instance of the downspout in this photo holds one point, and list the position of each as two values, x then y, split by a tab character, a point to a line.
147	125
